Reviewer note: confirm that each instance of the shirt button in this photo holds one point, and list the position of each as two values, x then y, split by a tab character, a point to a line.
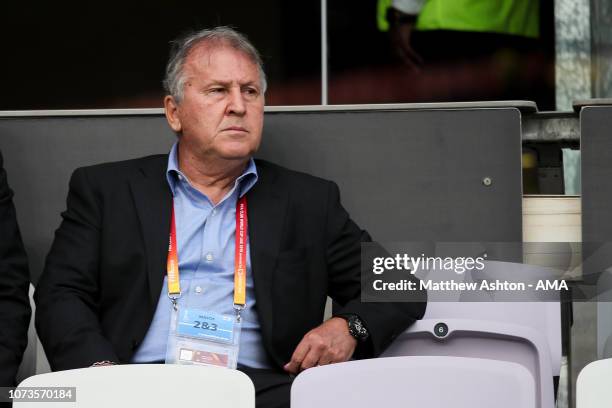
214	212
209	257
198	289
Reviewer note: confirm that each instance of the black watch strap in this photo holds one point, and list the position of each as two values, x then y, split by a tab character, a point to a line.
355	326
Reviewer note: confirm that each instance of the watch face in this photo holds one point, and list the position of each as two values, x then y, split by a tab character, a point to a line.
359	326
357	329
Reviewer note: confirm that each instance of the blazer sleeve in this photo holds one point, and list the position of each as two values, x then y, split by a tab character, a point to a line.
67	295
14	284
384	320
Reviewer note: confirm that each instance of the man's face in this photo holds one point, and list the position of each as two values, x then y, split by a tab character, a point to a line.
221	113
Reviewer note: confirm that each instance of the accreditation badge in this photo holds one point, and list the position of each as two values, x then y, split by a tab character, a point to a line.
204	338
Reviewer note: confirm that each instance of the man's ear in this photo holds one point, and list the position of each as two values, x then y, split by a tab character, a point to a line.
171	110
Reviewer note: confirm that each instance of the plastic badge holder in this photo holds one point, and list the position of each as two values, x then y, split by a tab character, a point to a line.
204	338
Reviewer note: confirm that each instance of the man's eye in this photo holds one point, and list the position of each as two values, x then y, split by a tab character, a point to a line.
215	91
251	91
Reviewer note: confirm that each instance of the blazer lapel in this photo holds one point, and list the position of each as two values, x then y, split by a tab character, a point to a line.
153	200
267	206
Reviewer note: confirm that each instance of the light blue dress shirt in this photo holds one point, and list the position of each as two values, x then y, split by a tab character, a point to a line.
206	238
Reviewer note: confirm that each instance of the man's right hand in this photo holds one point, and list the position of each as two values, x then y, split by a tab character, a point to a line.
331	342
401	26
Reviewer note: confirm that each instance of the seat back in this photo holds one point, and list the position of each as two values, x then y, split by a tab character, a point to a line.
486	340
543	317
424	381
593	385
150	385
537	310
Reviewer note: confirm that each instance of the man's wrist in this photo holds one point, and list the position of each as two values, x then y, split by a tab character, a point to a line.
397	17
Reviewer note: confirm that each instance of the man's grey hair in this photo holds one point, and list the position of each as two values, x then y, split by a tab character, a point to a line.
174	80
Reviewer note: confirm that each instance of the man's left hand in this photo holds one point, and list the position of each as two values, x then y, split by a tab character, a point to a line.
328	343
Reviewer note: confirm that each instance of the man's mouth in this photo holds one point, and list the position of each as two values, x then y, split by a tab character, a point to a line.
236	128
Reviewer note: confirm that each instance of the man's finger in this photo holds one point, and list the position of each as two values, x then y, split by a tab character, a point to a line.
298	356
311	359
327	358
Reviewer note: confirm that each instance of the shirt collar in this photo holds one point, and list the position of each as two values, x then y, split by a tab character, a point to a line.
245	181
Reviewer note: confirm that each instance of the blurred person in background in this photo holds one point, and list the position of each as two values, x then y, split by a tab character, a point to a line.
473	49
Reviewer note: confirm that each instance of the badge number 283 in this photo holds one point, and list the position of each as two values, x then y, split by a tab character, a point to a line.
206	325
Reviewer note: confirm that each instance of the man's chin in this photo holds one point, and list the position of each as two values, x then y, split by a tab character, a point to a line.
236	152
236	156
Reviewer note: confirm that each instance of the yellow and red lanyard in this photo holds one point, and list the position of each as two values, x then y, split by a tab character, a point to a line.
174	284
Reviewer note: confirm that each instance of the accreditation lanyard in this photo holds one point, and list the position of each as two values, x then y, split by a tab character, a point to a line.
174	284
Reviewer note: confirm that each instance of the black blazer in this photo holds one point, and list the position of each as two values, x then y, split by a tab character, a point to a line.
14	284
104	273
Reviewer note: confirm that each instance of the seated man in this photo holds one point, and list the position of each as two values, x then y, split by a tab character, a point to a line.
110	288
14	284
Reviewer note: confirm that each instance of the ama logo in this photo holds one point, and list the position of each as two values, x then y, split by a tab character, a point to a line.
551	285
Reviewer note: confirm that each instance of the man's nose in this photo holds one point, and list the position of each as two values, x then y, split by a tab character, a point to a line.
236	104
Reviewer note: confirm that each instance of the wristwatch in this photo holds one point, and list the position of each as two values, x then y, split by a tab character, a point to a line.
356	327
103	363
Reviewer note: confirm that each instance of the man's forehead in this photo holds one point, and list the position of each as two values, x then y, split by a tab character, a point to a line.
206	54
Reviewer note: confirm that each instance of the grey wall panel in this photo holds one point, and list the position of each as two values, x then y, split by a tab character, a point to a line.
404	175
596	152
41	153
596	146
414	175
